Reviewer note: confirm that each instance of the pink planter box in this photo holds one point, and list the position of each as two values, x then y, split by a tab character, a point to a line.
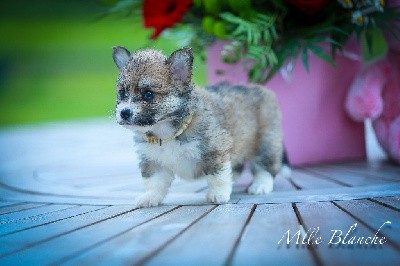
316	127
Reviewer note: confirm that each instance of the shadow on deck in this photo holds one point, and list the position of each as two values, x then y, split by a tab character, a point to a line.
67	197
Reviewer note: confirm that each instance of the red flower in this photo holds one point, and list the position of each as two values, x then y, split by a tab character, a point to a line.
164	14
309	6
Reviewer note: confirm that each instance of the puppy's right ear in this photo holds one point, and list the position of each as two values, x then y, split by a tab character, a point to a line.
181	64
121	56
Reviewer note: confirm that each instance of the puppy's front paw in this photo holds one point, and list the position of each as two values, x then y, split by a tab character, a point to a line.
260	188
218	196
148	200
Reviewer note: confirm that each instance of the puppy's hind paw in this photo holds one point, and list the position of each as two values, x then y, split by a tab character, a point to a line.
218	197
260	188
148	200
285	171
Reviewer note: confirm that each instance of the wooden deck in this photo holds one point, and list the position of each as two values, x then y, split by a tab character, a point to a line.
67	197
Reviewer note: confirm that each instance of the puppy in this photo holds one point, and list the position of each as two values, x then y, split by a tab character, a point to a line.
194	132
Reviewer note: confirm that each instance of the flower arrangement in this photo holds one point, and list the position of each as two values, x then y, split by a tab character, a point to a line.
267	34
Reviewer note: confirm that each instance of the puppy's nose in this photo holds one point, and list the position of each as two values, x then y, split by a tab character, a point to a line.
126	113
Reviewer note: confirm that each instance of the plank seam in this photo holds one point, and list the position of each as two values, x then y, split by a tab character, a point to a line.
241	234
369	175
159	249
384	204
13	204
326	177
80	252
311	248
373	230
34	207
65	233
39	193
34	216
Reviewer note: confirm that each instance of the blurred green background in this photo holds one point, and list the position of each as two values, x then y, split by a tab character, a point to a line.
55	59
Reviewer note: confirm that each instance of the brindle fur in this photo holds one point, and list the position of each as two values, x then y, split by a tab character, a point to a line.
235	124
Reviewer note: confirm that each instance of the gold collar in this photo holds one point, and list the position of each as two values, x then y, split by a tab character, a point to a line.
150	138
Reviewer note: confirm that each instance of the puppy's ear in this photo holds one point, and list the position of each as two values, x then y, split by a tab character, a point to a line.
180	63
121	56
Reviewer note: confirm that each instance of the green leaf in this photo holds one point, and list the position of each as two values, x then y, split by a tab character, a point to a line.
123	8
249	37
273	59
320	52
238	30
304	58
335	29
267	35
274	33
322	39
332	41
255	74
369	39
279	3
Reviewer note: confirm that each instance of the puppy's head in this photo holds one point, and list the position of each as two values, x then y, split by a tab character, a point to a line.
152	87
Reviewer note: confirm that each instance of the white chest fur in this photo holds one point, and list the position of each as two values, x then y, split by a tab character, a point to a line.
181	158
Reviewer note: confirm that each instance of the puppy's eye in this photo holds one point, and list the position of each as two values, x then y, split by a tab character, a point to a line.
122	94
148	95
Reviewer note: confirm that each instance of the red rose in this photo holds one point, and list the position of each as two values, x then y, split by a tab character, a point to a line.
164	14
309	6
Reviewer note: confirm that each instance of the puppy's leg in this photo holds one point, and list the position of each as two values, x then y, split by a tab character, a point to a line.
220	185
156	189
286	170
266	165
157	181
237	172
263	180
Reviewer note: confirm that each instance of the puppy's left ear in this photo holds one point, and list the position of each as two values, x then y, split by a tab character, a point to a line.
121	56
181	64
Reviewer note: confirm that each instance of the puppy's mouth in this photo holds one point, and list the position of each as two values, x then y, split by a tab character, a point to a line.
140	121
143	120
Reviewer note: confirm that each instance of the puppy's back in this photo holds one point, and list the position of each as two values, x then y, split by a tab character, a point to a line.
250	111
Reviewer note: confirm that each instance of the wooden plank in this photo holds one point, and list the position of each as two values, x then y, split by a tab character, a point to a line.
323	194
259	244
391	201
208	241
282	183
44	219
19	207
101	199
8	203
239	189
356	175
243	182
307	180
27	238
375	217
136	244
328	217
378	173
383	170
67	244
319	194
347	175
15	216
